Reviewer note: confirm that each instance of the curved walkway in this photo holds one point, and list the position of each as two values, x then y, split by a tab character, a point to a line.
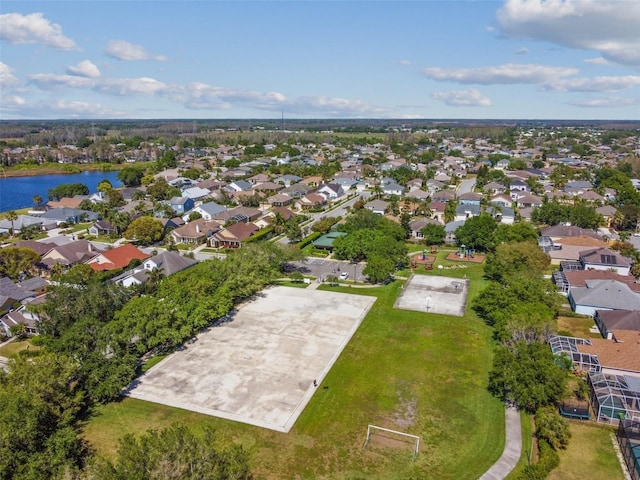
512	447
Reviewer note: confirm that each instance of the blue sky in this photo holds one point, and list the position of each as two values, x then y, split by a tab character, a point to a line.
523	59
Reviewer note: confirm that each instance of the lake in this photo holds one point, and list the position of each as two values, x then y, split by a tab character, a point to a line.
18	192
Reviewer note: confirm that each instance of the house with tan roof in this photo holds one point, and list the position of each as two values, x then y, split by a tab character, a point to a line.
233	235
195	232
70	253
312	200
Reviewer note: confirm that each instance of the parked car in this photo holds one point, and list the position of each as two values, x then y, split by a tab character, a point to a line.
344	276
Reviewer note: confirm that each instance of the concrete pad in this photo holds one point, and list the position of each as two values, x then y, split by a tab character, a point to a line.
259	368
434	294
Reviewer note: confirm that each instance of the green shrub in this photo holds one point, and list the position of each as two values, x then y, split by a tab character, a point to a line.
548	460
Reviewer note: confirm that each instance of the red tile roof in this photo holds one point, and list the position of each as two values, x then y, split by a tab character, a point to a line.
118	257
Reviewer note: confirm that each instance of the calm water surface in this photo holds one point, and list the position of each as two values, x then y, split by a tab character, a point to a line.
18	192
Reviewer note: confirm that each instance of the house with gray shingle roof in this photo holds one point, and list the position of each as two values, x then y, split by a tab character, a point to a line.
603	295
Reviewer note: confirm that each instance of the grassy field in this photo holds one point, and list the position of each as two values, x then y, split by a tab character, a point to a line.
590	454
577	327
420	373
12	349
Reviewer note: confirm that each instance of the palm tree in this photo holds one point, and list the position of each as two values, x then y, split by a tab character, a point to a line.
12	216
37	200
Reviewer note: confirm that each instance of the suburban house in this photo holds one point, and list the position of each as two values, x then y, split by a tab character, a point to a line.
115	258
239	186
610	320
571	275
287	180
167	263
11	293
280	200
377	206
70	253
196	193
605	259
311	201
101	227
418	224
470	198
207	210
181	204
16	318
68	215
391	187
330	191
603	295
195	232
233	235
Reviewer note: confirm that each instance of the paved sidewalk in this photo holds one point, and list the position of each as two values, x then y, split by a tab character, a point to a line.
512	447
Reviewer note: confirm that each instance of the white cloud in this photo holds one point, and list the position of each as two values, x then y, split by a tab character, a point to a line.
48	81
609	27
84	69
20	29
201	96
6	78
522	51
606	102
132	86
509	73
405	62
463	98
597	61
13	101
333	106
122	50
595	84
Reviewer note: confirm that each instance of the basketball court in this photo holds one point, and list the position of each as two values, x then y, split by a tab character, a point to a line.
434	294
260	367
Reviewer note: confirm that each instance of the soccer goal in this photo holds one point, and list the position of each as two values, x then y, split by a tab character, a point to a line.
414	438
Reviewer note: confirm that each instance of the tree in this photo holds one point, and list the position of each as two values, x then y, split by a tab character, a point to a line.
15	262
12	216
434	234
161	190
293	231
477	232
145	230
324	224
104	186
379	268
585	216
550	426
174	452
450	211
40	403
528	375
67	190
522	307
551	213
517	232
37	200
131	176
521	258
168	160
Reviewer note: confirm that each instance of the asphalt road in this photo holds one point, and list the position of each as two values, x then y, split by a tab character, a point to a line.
466	186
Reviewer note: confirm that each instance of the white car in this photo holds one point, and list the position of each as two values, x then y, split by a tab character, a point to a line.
344	276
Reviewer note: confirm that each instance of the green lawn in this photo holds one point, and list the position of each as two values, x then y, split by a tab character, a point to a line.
577	327
420	373
12	349
590	454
